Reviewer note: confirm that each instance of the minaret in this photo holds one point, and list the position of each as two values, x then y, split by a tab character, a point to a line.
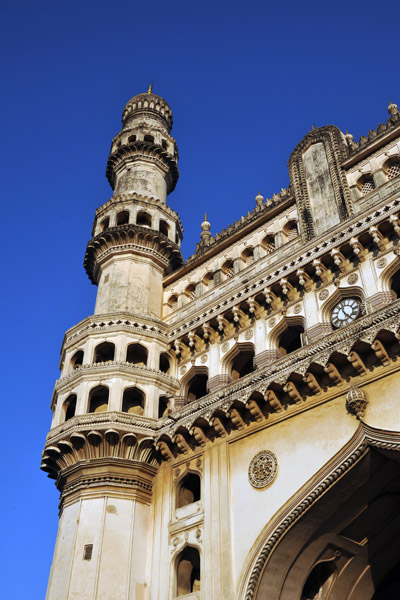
117	372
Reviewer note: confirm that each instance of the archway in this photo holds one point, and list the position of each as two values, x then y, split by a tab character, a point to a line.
340	536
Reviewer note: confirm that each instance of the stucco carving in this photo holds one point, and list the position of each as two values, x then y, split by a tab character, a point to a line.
263	468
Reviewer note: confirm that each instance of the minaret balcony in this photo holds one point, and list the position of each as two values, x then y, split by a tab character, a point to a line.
109	369
135	239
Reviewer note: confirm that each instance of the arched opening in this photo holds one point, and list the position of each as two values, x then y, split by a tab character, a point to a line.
77	359
227	269
190	292
133	401
69	407
164	365
248	256
173	302
290	339
208	279
347	543
143	219
164	144
187	571
242	364
131	139
105	224
319	581
366	184
392	167
137	355
290	230
104	352
188	490
164	227
123	217
197	387
268	244
98	399
395	284
163	407
149	138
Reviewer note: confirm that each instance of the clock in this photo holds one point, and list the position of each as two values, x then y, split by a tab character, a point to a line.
345	312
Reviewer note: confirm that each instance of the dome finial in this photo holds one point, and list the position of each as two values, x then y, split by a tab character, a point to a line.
150	90
205	232
259	199
393	109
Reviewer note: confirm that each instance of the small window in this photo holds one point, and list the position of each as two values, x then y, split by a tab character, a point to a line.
164	228
70	407
163	407
77	359
366	184
190	292
173	302
242	364
98	399
188	571
104	352
188	490
123	218
227	269
149	138
268	244
133	401
197	387
248	256
105	224
137	355
164	362
131	139
290	339
143	219
87	552
290	230
164	144
392	167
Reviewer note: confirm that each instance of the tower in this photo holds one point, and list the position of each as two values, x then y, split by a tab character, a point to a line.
115	370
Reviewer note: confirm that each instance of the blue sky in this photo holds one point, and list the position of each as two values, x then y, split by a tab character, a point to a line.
245	81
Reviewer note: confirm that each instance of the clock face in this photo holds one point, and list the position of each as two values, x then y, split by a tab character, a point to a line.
345	312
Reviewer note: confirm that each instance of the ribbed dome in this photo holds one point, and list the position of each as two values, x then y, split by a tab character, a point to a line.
148	102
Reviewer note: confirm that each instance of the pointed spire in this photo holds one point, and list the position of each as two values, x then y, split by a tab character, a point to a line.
150	90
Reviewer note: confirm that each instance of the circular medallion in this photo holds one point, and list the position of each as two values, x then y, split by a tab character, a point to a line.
225	347
183	370
248	335
352	279
204	359
381	263
271	322
297	309
262	469
323	295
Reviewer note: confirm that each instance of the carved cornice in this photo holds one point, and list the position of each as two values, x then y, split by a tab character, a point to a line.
145	326
113	367
143	150
364	438
102	421
134	238
282	383
309	253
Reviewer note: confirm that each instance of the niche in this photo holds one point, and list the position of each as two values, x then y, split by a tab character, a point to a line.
98	399
188	571
188	490
137	355
70	407
133	401
290	339
104	352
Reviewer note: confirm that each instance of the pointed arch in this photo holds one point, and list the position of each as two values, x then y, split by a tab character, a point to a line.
239	361
341	294
194	384
285	328
387	275
296	532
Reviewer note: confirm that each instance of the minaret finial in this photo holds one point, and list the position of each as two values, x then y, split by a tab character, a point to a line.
150	90
205	216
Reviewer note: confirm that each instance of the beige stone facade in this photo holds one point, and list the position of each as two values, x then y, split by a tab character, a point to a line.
228	427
